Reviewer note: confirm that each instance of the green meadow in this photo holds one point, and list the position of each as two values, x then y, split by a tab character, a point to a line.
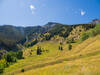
83	59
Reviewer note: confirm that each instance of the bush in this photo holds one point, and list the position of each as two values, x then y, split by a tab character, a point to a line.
22	70
69	46
84	36
95	31
20	54
10	57
39	51
70	41
60	48
91	33
29	44
2	65
1	70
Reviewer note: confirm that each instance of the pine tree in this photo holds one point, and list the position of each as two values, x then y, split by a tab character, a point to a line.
39	51
70	47
60	48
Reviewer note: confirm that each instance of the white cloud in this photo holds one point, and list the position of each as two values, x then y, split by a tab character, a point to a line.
82	13
32	8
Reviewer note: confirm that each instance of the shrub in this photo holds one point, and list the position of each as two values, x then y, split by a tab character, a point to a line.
84	36
95	31
39	51
29	44
1	69
61	43
22	70
2	65
69	46
10	57
70	41
47	51
20	54
60	48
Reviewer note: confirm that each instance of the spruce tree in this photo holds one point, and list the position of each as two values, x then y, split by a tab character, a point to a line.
39	51
69	46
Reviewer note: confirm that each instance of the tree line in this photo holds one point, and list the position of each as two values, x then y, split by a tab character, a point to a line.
9	58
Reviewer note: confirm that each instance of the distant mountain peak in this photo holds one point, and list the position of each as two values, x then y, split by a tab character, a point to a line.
51	24
95	21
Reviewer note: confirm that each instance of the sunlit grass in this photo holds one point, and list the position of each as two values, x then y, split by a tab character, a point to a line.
83	59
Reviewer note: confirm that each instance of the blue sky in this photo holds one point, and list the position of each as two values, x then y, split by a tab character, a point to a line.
39	12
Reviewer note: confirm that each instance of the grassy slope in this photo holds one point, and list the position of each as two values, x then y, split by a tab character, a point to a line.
81	60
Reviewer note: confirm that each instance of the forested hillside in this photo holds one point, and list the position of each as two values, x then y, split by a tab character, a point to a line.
10	36
78	53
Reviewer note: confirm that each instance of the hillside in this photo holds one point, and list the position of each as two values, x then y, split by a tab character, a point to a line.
11	36
83	59
49	37
43	47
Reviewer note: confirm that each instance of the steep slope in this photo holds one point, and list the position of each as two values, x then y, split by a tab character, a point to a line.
63	31
11	35
82	59
86	64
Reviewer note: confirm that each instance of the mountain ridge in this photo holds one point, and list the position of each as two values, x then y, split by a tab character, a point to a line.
16	35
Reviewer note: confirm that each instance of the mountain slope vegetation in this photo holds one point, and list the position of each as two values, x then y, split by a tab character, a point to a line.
50	50
82	59
11	35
